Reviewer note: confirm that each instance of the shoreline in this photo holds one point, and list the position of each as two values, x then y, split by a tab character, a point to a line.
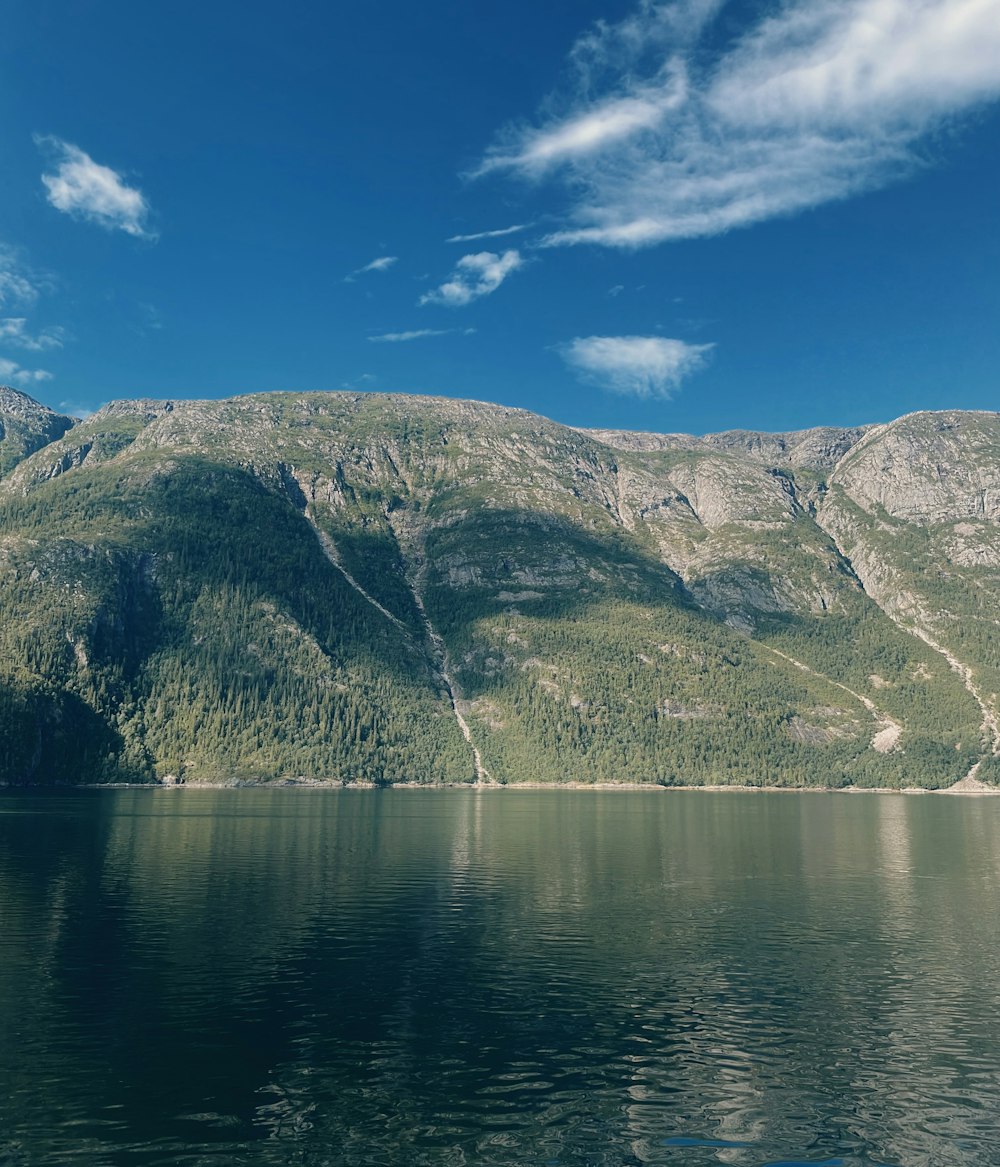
964	788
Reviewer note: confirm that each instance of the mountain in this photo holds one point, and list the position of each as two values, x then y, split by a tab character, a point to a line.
25	426
385	588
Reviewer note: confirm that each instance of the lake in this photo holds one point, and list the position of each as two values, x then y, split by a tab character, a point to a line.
556	978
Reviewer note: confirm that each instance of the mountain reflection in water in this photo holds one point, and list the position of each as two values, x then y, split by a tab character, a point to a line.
498	977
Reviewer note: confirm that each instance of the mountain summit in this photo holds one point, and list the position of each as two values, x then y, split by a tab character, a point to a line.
25	426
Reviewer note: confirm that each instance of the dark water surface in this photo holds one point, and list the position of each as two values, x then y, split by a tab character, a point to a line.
551	978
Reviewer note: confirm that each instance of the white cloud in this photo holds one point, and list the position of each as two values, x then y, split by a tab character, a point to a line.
418	334
488	234
585	134
415	334
21	286
382	263
635	366
13	331
474	276
17	284
150	318
80	412
661	139
359	384
11	373
87	190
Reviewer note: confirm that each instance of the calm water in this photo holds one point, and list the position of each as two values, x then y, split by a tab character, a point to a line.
560	979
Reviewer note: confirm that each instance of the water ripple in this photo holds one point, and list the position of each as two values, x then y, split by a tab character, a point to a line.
270	977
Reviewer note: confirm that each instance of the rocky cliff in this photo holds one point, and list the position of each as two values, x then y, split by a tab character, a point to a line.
25	426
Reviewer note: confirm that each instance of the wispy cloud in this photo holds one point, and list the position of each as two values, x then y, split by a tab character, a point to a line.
418	334
150	318
85	189
80	412
11	373
488	234
585	134
18	285
382	263
660	139
14	331
474	276
635	366
360	384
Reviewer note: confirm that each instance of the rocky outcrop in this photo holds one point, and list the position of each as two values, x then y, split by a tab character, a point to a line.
927	468
818	449
25	426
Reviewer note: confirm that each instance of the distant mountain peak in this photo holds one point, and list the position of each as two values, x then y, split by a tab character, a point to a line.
26	426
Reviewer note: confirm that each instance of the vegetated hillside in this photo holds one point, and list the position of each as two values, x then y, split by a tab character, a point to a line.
385	588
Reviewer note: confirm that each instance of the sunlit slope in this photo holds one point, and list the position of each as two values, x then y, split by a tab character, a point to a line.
916	508
389	588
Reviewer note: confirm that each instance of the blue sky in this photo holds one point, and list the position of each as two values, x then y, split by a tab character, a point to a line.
701	214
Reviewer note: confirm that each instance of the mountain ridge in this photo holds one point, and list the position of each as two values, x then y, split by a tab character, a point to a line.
556	603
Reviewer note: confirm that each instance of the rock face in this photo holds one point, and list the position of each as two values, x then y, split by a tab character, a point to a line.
393	588
814	449
25	426
928	468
